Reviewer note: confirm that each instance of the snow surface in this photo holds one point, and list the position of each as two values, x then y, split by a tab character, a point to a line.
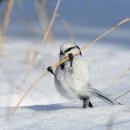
44	108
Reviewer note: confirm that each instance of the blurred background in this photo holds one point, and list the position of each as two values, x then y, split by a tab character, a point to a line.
84	19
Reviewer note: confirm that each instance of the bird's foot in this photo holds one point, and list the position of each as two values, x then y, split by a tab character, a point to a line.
51	70
87	105
86	102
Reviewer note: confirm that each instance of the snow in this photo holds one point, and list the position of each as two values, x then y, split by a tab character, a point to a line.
66	116
44	108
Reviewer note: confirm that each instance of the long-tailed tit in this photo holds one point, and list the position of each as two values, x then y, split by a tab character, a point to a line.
72	77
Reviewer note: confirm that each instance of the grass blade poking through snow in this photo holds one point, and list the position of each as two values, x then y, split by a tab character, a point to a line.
86	46
122	95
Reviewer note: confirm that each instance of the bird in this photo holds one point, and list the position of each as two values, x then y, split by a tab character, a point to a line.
72	78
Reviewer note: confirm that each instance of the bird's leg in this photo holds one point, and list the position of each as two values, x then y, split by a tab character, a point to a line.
70	59
90	105
50	70
86	102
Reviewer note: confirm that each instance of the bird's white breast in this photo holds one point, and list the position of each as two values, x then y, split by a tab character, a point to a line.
73	83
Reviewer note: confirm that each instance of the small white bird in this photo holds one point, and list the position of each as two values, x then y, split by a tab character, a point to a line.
72	77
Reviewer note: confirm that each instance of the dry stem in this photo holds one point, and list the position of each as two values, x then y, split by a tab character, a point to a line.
5	22
122	95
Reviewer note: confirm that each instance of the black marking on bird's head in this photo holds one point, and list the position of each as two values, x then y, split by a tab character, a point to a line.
69	47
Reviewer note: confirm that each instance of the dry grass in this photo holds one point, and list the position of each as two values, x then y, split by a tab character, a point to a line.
5	22
30	67
118	78
86	46
43	18
122	95
121	76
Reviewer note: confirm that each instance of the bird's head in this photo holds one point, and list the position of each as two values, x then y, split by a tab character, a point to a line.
68	48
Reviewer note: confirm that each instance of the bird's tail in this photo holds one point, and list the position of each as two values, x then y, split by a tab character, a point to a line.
103	96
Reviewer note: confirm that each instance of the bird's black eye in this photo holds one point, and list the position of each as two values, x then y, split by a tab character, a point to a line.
69	49
61	53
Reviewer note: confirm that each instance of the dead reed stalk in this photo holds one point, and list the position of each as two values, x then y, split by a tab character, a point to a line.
5	22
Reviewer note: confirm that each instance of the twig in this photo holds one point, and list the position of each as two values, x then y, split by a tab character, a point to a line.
59	63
